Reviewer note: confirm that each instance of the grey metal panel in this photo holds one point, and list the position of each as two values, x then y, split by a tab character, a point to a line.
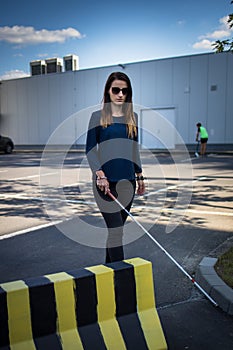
19	109
54	101
44	120
79	96
9	114
86	95
67	95
148	84
134	73
198	93
229	100
102	76
32	112
158	130
181	95
4	109
164	82
61	108
90	88
216	119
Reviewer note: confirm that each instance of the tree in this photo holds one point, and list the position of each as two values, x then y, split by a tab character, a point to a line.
225	45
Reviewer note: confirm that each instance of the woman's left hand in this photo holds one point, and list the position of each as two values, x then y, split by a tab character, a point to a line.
141	187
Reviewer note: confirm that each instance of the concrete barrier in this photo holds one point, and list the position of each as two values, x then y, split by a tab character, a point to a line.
101	307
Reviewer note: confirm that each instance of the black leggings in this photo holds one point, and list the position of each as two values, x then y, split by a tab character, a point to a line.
114	216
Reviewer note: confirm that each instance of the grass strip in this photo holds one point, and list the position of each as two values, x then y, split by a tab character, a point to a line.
224	267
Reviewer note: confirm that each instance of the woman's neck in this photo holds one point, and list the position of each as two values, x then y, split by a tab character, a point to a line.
117	110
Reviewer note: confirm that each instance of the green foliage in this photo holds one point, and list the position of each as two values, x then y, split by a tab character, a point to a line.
225	45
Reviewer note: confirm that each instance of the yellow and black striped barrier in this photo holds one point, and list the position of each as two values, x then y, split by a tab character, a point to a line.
101	307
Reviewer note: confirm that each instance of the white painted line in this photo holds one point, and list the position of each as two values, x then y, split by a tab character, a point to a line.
45	199
48	199
72	201
3	171
195	211
188	159
29	229
30	176
27	164
182	184
200	212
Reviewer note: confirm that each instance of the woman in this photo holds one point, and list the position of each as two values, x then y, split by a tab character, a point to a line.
113	155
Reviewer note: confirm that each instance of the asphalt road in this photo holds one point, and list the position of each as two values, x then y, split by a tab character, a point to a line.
48	220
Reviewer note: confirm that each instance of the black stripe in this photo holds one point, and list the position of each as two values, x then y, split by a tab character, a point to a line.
50	342
132	332
86	309
91	337
86	297
125	289
4	331
126	306
43	306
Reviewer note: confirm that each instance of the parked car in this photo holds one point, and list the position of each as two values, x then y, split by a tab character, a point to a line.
6	144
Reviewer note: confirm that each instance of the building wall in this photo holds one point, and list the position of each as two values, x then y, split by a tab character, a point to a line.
198	88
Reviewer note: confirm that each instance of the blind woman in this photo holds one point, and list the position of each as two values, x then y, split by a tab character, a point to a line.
113	154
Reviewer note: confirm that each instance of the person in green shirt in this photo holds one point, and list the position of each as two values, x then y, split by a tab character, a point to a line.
202	135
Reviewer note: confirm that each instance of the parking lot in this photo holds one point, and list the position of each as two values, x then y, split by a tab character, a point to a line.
49	218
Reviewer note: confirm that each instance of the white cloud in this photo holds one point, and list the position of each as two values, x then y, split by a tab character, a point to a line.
181	22
29	35
14	74
18	55
223	31
44	55
203	44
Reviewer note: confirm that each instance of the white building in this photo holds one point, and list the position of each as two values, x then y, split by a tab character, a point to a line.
184	90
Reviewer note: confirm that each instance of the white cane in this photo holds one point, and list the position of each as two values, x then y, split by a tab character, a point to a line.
164	250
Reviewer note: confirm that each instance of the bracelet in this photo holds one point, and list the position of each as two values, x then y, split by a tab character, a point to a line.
138	178
101	178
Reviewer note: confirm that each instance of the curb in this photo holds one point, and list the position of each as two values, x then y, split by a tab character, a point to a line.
209	280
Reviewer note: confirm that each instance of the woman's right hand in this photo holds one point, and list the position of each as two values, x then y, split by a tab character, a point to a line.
102	181
103	184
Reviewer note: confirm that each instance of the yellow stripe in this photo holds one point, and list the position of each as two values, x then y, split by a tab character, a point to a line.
19	317
147	312
106	307
144	283
64	286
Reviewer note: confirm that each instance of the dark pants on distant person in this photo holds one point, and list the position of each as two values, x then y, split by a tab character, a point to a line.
114	216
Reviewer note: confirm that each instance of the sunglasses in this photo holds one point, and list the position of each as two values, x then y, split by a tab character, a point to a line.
116	90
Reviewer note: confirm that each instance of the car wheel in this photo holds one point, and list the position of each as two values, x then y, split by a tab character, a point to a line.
8	148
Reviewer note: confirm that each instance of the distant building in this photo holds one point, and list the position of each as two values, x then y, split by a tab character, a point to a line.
71	63
38	67
54	65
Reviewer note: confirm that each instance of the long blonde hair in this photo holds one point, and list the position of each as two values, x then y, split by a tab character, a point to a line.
106	112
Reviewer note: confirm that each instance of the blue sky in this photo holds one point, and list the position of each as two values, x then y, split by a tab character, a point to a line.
104	32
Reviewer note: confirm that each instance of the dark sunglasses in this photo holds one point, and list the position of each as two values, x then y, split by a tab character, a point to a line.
116	90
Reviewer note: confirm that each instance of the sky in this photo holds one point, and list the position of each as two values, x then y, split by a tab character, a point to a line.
105	32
